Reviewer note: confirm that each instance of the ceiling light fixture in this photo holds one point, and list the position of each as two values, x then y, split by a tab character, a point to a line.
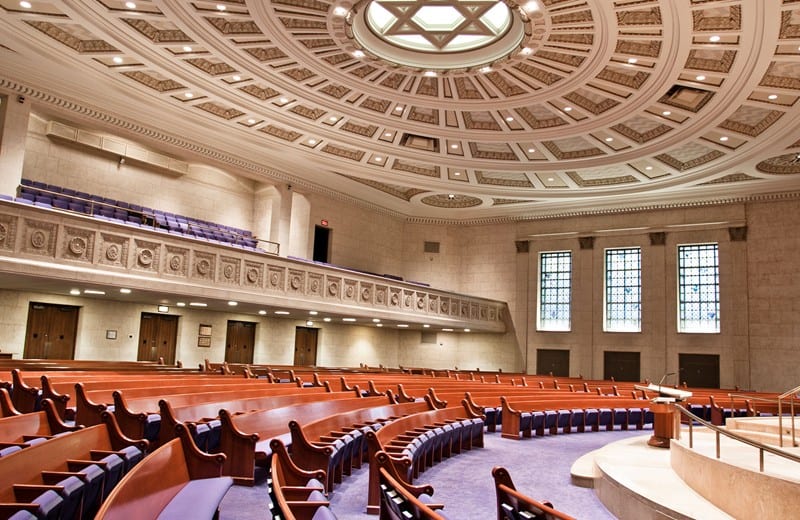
700	78
447	330
116	59
387	134
233	303
94	291
163	308
379	324
358	54
772	96
509	118
379	159
714	38
349	320
130	5
332	118
632	60
326	320
526	51
451	196
648	168
312	141
398	108
666	113
466	330
550	179
309	323
402	325
181	304
283	100
567	109
531	150
236	78
313	313
339	11
723	138
75	292
531	6
125	290
221	7
456	173
188	95
251	121
25	5
186	48
425	326
453	146
430	73
281	313
198	304
486	69
609	139
262	312
376	320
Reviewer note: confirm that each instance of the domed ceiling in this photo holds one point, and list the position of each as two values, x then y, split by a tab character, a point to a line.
439	109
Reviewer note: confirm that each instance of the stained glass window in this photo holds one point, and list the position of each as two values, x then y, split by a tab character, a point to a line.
698	288
623	298
555	284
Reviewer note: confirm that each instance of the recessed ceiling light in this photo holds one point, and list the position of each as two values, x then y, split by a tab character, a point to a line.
466	330
772	96
339	11
309	323
281	313
93	291
398	108
349	320
125	290
186	48
454	146
326	319
313	313
379	159
666	113
379	324
262	312
332	118
509	118
130	5
425	326
430	73
251	121
632	60
567	109
723	138
456	173
236	78
402	325
221	7
531	150
25	5
526	50
376	320
75	292
714	38
486	69
233	303
198	304
447	330
648	168
283	100
700	77
181	304
117	59
387	134
451	196
358	54
550	179
312	141
188	95
609	139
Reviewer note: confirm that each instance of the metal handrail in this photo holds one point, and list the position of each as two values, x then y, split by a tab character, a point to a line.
721	431
791	394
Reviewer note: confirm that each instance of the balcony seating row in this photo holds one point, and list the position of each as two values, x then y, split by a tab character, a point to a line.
50	196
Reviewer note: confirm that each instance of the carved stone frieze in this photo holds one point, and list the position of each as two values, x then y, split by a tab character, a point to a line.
114	250
176	261
296	281
381	295
40	238
8	232
203	266
366	292
253	274
147	255
276	277
229	270
314	285
350	290
395	297
433	304
333	287
78	244
444	306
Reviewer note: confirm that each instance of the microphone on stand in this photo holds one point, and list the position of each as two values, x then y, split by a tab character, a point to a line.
663	378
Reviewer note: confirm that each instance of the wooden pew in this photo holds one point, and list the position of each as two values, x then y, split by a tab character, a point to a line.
85	457
176	480
23	429
245	437
394	436
511	503
397	501
328	442
6	406
562	412
296	494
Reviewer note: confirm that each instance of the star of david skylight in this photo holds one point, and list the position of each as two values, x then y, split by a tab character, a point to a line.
438	26
439	34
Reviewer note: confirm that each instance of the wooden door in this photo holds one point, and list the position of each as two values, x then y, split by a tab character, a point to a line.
552	361
158	337
699	370
51	331
305	346
239	341
622	366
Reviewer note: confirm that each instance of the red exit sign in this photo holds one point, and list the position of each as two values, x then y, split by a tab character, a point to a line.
324	222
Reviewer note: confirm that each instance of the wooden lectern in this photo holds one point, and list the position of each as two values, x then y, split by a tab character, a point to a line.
666	422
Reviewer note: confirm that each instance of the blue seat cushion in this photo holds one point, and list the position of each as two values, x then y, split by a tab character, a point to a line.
72	493
323	513
9	450
49	504
197	499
